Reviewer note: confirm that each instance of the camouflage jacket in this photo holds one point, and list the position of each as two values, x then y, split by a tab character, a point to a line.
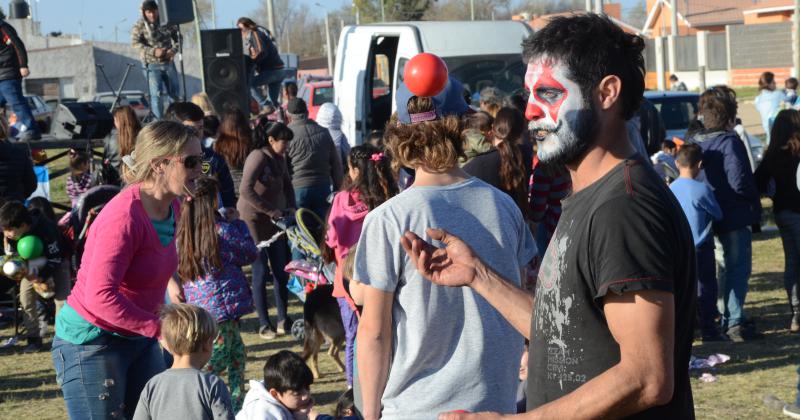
146	37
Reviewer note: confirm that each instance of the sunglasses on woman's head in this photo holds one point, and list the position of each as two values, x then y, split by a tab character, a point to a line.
188	161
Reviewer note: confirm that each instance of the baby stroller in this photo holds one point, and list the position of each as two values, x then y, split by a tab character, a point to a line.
82	216
305	232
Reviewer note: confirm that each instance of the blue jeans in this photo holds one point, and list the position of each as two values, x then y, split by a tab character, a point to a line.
789	226
707	288
104	377
735	265
271	78
11	93
161	79
350	322
277	256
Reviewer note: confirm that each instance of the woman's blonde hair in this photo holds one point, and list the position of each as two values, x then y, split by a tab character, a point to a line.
204	102
434	145
157	140
186	328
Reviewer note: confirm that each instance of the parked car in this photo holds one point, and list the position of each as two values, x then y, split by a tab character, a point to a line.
42	113
54	102
315	94
136	99
678	109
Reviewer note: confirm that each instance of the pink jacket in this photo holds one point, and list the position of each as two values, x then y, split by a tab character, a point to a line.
344	227
125	269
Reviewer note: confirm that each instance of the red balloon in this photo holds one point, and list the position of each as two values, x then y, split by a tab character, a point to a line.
425	74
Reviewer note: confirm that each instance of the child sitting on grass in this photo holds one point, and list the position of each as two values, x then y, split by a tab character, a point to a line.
285	393
184	391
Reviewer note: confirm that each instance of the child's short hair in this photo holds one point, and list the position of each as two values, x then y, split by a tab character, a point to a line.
668	144
286	371
14	214
78	158
344	404
689	156
186	328
41	204
790	83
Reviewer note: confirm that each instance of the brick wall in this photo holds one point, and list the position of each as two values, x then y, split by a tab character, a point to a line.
749	77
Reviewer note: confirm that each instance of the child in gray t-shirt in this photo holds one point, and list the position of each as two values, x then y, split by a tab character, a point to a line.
183	391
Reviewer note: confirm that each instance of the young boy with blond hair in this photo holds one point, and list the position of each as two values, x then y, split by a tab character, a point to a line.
184	391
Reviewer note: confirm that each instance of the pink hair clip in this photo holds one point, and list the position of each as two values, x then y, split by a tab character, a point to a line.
376	157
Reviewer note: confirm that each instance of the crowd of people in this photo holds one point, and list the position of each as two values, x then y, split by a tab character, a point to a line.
461	237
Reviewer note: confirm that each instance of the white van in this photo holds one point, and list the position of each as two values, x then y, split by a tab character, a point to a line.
370	60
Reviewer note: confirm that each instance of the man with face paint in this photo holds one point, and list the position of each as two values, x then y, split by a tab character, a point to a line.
611	325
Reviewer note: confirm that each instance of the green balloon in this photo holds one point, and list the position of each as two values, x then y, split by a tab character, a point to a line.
30	247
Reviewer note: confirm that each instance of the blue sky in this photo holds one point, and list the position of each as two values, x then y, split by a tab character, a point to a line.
96	19
99	17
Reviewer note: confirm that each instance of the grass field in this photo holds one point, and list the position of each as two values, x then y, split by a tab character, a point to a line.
28	388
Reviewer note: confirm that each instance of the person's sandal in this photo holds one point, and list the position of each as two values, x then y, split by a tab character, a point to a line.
266	333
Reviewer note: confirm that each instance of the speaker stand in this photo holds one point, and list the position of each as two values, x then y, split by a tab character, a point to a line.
180	58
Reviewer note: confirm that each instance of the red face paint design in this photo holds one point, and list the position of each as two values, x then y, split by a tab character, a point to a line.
547	94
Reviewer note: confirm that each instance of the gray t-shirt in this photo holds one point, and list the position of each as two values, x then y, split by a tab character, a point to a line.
451	349
184	394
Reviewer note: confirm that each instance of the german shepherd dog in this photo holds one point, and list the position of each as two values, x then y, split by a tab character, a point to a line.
323	322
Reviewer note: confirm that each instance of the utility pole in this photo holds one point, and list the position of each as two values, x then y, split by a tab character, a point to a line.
214	13
588	6
796	50
674	17
383	12
471	9
598	6
199	48
271	17
328	44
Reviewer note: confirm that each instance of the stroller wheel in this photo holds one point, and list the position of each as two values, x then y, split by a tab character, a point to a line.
299	330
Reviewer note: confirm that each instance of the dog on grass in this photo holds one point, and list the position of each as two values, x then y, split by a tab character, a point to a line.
323	322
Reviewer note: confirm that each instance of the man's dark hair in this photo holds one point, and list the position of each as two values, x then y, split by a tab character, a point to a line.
14	214
593	47
673	78
183	111
668	144
790	83
210	126
689	155
291	89
718	107
286	371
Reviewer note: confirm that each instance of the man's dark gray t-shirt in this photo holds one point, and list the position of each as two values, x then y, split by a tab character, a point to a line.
624	233
184	394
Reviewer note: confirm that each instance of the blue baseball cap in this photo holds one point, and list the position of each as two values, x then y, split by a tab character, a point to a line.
450	101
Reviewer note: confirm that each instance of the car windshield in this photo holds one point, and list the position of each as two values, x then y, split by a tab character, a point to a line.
676	113
323	95
505	72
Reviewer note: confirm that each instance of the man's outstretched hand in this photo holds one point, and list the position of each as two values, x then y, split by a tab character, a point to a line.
454	265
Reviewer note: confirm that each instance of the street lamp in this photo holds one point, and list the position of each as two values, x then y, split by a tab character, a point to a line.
327	40
116	29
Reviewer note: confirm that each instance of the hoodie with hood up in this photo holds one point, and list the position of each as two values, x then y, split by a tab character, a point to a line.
330	117
260	405
344	229
146	37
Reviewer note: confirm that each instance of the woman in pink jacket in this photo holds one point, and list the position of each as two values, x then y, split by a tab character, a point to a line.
106	344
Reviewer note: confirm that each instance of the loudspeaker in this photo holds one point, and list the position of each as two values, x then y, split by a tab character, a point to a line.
81	120
175	12
224	72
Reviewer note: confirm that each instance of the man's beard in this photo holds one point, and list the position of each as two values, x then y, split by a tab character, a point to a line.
567	142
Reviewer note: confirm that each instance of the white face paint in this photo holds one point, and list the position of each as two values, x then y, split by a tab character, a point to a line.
559	116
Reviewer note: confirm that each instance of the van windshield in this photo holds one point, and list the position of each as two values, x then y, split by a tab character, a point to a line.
505	72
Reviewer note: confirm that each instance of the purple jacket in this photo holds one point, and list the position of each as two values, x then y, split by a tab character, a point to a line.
224	292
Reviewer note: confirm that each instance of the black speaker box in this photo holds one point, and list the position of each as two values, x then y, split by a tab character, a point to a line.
224	71
81	120
175	12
